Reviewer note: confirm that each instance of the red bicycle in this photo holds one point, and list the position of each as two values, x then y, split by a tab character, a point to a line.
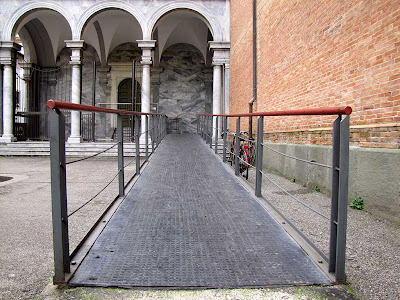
246	153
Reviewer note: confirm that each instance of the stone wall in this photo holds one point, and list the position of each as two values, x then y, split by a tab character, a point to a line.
373	173
182	91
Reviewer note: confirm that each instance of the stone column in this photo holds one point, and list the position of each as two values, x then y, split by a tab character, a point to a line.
226	86
104	127
155	87
217	90
76	88
27	67
208	81
8	51
146	46
220	57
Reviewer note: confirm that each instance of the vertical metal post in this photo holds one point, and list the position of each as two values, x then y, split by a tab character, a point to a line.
224	128
237	146
120	134
137	145
147	137
94	102
216	135
152	134
59	196
343	199
210	130
203	127
156	129
335	193
259	155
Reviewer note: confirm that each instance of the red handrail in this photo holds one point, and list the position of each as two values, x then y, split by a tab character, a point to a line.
52	104
347	110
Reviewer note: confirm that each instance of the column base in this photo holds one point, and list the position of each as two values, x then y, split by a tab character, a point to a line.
8	139
75	139
142	141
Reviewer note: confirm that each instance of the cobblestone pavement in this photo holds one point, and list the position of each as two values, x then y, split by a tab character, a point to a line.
187	222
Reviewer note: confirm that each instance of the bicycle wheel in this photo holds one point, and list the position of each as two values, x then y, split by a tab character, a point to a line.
243	167
231	156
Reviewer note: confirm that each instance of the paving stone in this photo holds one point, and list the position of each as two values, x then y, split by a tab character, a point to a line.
189	223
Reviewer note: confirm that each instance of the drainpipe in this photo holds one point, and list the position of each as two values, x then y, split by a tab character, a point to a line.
251	102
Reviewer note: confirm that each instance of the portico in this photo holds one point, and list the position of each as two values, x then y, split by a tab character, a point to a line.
174	46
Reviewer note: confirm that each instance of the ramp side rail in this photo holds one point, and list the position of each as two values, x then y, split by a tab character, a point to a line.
155	128
212	128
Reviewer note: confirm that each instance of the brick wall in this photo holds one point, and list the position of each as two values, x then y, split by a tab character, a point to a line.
321	53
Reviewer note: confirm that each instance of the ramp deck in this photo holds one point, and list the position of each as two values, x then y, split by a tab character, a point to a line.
188	223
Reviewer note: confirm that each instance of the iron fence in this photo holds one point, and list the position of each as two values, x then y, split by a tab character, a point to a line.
236	147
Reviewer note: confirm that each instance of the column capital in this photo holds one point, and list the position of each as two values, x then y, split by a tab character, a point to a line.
146	46
221	52
8	50
76	46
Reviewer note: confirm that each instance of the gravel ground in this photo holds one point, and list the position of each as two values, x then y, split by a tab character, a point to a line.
26	260
373	244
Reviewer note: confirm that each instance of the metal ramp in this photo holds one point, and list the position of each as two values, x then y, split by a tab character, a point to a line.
187	223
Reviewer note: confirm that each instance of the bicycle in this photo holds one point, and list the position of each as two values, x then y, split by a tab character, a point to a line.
246	153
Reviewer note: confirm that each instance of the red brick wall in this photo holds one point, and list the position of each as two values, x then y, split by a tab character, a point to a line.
322	53
241	85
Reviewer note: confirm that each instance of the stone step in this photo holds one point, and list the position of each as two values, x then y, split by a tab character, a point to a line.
83	149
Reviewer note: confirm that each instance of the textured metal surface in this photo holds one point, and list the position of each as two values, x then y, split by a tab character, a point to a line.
189	223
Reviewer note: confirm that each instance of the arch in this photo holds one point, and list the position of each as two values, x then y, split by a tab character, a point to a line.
77	32
212	24
21	11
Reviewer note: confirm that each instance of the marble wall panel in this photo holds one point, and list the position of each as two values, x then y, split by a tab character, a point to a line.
182	91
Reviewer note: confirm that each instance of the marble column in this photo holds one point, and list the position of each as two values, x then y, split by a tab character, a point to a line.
221	53
226	88
217	91
146	46
103	125
27	67
8	51
76	88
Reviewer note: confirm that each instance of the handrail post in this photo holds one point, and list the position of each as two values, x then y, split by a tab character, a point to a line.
137	145
120	132
237	141
157	128
152	133
335	193
147	137
203	127
259	155
211	131
216	135
59	196
224	128
343	199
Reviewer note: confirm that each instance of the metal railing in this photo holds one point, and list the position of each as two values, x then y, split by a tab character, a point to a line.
212	131
155	128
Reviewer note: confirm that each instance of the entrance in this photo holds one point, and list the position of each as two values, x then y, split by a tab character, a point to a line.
127	102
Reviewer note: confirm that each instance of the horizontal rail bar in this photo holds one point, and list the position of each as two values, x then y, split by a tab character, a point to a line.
347	110
52	104
296	158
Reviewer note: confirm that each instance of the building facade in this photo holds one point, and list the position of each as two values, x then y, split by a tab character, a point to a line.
323	53
170	57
